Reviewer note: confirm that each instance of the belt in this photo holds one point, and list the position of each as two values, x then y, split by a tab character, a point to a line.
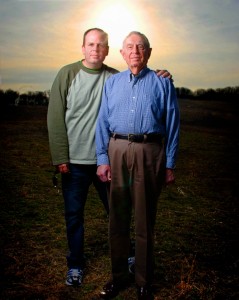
138	138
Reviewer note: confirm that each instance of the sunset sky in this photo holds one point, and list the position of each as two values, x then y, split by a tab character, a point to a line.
196	40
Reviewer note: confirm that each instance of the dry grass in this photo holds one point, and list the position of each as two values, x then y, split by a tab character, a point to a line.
196	237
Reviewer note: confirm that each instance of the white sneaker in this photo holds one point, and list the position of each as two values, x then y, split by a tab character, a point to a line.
131	264
74	277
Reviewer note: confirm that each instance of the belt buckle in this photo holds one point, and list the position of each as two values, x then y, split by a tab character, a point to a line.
130	137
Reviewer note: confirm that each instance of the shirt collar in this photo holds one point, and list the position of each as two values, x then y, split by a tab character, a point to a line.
141	74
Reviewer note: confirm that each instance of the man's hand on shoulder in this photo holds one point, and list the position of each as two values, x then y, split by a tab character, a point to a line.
164	73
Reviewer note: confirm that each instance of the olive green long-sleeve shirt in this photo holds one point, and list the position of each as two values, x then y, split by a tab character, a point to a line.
72	112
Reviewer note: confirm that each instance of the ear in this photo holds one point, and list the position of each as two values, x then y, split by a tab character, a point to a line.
83	49
108	49
150	51
122	53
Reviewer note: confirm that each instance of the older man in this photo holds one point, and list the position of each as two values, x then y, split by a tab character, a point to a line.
137	138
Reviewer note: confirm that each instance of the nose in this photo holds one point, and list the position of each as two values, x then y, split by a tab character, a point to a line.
96	47
135	49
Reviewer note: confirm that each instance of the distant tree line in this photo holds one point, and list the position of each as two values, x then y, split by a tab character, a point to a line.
13	98
221	94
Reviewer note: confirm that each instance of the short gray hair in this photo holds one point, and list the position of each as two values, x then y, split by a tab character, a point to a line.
145	39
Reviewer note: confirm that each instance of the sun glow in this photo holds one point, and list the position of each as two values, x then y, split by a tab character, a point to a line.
117	19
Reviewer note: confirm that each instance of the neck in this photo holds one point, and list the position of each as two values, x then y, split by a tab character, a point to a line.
136	70
88	65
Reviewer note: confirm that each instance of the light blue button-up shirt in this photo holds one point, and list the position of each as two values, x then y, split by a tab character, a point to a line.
139	104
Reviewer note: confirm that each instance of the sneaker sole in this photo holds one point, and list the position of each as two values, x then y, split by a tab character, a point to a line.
72	284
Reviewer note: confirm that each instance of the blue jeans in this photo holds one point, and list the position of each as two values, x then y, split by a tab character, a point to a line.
75	186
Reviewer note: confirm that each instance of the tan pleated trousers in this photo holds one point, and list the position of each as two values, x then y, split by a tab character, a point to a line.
138	173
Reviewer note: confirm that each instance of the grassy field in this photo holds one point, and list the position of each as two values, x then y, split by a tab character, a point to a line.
197	230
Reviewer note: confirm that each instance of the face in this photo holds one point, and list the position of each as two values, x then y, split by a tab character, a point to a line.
95	49
135	53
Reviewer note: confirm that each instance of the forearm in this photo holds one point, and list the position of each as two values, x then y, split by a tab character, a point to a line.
57	133
172	130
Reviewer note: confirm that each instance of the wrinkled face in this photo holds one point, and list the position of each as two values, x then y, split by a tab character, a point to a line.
135	53
95	49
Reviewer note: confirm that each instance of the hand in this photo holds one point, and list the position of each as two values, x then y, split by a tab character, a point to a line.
63	168
169	177
164	74
104	173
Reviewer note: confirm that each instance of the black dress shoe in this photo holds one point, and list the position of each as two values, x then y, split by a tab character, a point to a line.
110	291
145	293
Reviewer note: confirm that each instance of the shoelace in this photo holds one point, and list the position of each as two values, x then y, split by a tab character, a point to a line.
75	273
131	260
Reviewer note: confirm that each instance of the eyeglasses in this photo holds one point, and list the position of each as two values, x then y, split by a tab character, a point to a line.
55	179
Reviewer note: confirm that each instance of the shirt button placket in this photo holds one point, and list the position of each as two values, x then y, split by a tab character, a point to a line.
132	107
